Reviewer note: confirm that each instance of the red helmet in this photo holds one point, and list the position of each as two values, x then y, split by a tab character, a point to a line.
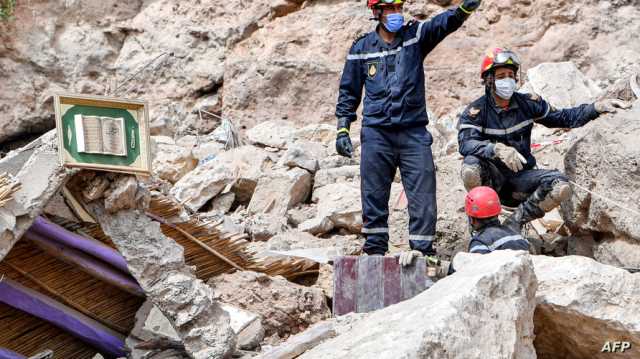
372	3
482	202
499	57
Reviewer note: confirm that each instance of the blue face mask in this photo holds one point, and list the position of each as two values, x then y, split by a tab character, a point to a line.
394	22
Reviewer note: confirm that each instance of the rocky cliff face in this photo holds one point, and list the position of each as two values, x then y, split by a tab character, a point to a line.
266	60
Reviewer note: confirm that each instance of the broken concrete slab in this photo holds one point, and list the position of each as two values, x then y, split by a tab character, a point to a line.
279	191
157	263
40	176
490	305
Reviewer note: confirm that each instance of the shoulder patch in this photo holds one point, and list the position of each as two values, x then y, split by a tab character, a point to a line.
359	37
473	112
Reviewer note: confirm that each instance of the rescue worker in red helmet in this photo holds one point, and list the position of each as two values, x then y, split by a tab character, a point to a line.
482	206
388	64
495	139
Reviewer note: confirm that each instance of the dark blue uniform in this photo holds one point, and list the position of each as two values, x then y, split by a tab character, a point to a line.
483	124
492	236
394	119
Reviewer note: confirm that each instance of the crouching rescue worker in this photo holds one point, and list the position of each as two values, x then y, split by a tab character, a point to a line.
495	138
482	206
388	63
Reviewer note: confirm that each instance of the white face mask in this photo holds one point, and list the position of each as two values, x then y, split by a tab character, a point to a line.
505	88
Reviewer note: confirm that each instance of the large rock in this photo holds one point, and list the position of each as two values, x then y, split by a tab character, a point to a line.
581	305
242	166
285	308
327	176
279	191
490	305
603	164
340	203
274	133
618	252
562	84
303	154
172	162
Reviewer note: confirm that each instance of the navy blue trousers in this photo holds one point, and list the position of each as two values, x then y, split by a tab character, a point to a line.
514	187
383	151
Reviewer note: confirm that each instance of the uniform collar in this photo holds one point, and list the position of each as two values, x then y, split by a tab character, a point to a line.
512	104
488	224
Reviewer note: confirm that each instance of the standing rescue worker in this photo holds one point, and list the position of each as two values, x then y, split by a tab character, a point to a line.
482	206
388	62
495	139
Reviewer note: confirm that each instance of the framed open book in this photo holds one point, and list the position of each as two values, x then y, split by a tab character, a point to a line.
103	133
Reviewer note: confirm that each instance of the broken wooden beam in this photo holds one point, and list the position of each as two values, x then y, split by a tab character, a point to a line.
10	354
75	323
87	245
86	263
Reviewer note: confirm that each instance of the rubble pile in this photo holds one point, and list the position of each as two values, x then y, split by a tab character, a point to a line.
236	257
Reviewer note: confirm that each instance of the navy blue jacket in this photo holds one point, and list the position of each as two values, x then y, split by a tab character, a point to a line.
494	236
483	123
392	74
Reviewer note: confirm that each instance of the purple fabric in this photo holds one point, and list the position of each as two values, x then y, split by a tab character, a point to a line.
84	328
90	246
8	354
86	263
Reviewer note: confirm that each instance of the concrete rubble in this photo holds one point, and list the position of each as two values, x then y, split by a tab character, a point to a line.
37	169
580	305
240	167
285	308
157	263
500	293
280	191
290	195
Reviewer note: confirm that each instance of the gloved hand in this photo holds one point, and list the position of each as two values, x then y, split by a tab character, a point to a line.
610	105
468	6
343	142
406	257
509	156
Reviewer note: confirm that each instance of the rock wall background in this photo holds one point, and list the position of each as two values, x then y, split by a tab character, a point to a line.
265	60
272	69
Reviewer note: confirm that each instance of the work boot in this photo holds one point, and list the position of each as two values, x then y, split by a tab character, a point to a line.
542	200
526	212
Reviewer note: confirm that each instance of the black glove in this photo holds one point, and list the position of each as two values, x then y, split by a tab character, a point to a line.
343	142
468	6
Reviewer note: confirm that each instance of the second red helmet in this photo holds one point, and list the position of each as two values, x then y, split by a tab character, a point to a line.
482	202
